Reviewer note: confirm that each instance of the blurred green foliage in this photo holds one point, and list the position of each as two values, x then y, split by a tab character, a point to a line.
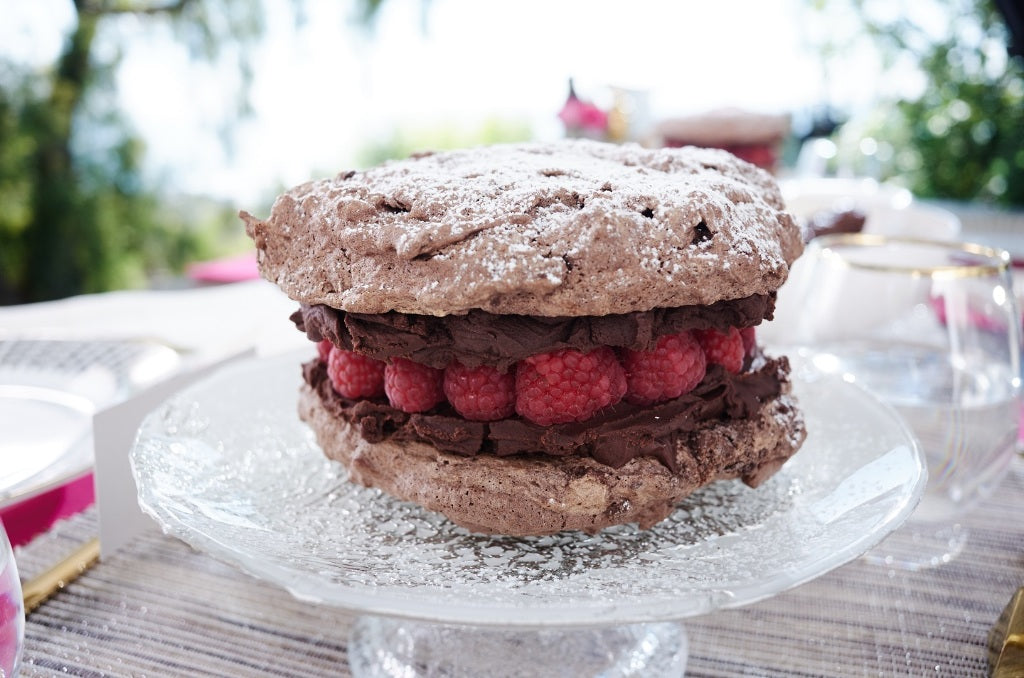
75	222
966	133
962	137
404	141
76	214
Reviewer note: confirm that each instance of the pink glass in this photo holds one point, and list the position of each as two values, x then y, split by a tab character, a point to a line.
12	611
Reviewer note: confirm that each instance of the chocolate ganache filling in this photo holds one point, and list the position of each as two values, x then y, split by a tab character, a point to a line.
614	436
482	338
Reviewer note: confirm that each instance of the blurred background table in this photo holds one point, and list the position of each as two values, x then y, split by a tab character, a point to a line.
198	324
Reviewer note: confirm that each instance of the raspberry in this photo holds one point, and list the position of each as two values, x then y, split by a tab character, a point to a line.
480	393
323	349
749	341
353	375
722	348
673	368
412	387
566	385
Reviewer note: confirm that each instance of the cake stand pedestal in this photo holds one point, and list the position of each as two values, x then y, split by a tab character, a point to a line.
382	647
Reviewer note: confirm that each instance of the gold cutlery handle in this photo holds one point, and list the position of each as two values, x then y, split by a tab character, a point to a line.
36	591
1006	640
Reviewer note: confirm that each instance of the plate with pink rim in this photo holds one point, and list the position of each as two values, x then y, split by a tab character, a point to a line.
49	391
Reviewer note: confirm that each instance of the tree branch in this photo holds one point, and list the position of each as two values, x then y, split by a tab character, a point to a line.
101	8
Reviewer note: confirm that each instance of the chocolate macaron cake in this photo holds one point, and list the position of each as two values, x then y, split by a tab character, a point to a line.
541	337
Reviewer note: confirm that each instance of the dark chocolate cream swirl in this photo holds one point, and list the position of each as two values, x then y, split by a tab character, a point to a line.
614	436
482	338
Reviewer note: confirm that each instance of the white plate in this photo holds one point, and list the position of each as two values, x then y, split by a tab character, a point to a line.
49	391
227	466
40	425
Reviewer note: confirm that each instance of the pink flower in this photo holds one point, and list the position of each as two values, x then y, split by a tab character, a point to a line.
582	116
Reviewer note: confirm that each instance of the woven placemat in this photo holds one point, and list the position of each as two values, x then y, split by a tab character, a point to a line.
158	608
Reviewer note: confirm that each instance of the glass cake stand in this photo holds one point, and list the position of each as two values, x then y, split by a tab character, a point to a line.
227	466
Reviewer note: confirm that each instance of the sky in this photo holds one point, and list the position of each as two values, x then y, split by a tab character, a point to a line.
325	89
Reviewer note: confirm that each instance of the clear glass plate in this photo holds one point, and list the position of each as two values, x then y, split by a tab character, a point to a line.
227	466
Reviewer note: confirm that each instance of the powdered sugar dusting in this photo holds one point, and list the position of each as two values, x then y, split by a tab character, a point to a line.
545	229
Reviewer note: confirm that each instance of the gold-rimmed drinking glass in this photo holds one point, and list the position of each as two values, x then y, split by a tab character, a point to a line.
933	329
